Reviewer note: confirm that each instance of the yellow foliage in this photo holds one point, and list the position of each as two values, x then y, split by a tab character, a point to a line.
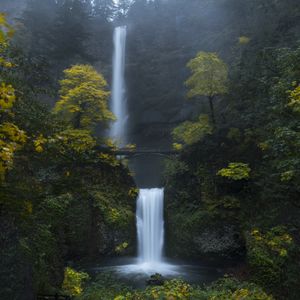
110	143
130	147
133	192
177	146
7	97
287	176
6	32
39	143
244	40
73	282
83	97
120	248
11	132
28	207
278	242
11	140
75	139
109	159
263	146
191	132
294	97
235	171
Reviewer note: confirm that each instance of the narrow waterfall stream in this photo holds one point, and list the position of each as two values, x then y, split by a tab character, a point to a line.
118	99
150	225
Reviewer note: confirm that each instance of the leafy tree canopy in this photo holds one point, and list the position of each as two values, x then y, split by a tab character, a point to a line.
209	75
192	132
209	78
235	171
84	98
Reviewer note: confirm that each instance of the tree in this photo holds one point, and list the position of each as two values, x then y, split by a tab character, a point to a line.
84	97
6	32
209	78
11	137
190	133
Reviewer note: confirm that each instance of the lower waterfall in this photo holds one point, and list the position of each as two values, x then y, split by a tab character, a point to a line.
150	225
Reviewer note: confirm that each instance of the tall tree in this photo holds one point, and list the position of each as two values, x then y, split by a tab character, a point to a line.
209	78
84	97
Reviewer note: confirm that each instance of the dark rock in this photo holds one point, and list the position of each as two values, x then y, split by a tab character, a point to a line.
155	279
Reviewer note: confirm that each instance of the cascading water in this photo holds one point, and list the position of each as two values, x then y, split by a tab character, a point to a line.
118	103
150	225
150	202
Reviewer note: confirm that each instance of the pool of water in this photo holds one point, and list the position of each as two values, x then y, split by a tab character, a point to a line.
131	272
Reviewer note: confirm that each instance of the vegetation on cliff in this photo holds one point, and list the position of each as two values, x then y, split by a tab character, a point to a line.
232	192
61	199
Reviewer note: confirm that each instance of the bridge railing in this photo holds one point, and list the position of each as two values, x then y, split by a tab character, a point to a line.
128	151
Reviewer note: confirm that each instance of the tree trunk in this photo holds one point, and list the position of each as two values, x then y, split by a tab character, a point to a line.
212	111
77	121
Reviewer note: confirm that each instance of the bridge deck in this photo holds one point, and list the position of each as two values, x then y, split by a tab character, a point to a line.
132	152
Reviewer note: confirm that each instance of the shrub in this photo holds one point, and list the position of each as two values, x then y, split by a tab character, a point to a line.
268	255
73	282
235	171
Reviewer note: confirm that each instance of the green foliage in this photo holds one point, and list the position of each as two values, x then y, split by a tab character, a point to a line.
49	214
76	140
268	255
11	140
294	103
7	97
209	78
209	75
190	133
121	248
6	33
232	289
174	167
234	134
175	289
84	98
235	171
73	282
244	40
119	216
105	287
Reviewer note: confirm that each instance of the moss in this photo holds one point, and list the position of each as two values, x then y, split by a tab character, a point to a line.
225	289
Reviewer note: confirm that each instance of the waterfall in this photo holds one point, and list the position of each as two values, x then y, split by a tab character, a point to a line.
118	103
150	225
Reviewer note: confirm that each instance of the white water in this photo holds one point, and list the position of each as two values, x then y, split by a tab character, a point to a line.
150	225
118	103
150	222
150	234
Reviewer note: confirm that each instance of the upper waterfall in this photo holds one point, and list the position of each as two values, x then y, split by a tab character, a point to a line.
118	100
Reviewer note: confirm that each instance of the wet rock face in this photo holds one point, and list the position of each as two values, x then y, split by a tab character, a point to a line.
203	241
111	242
224	241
